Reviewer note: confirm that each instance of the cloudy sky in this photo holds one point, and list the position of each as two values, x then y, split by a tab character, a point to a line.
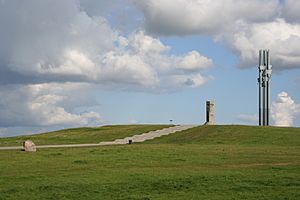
75	63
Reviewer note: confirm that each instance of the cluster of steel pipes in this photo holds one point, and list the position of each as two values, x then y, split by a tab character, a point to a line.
264	86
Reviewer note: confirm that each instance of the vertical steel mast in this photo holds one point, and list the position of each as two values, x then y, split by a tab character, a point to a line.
264	77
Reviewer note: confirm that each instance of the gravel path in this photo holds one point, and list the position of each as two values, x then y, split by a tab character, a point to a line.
136	138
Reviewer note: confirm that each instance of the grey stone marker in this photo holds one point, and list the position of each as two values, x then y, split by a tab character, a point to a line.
210	113
29	146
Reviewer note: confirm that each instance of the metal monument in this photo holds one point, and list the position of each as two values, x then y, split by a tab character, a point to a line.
264	86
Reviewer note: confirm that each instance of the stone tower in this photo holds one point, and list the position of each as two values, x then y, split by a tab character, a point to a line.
210	113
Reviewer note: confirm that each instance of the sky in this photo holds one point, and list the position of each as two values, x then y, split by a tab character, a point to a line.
77	63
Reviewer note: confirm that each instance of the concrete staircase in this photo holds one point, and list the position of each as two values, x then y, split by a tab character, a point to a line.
136	138
150	135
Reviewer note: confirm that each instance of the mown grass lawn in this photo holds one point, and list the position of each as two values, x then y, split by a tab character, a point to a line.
220	162
82	135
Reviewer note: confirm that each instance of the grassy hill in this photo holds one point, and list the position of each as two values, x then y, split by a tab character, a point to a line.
82	135
234	135
206	162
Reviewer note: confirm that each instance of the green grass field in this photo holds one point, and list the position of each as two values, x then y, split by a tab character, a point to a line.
206	162
82	135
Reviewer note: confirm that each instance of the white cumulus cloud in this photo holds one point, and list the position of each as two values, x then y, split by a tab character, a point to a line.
181	17
146	61
284	110
245	26
128	69
193	61
282	38
46	105
50	41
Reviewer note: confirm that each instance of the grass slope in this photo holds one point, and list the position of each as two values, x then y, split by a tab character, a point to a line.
234	135
215	162
82	135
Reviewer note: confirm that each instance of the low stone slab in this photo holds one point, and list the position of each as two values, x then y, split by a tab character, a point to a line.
29	146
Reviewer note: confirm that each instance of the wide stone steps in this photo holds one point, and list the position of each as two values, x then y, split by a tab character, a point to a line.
152	134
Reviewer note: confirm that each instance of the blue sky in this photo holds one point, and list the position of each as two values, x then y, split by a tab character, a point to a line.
234	90
80	63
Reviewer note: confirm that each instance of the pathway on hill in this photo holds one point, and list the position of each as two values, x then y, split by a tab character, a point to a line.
136	138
